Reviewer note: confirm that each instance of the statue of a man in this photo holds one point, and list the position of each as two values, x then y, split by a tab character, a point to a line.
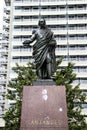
43	50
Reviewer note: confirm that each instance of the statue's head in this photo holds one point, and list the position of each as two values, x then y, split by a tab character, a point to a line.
42	22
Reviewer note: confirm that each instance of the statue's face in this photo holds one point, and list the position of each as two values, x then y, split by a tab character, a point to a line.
42	23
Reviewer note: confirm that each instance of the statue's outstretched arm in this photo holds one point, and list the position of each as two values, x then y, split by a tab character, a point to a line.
28	42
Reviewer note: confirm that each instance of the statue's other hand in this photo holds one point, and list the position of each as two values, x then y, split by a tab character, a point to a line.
52	43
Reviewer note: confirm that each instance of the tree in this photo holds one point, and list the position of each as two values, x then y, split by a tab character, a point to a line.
26	76
74	97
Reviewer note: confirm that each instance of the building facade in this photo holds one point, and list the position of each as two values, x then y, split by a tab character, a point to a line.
4	45
66	18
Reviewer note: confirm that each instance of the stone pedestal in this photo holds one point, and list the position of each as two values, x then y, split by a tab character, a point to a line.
44	107
42	82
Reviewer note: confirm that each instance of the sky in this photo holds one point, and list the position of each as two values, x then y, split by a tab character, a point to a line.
1	13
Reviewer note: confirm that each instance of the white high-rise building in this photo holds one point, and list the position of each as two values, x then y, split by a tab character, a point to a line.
4	37
3	73
68	21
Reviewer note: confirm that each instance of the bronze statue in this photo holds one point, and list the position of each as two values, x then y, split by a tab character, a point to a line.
43	50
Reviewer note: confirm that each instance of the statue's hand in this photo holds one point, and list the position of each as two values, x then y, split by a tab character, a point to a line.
52	43
26	43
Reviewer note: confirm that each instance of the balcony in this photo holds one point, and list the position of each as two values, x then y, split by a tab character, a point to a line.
3	61
3	71
8	2
2	81
72	2
4	53
5	44
6	27
22	53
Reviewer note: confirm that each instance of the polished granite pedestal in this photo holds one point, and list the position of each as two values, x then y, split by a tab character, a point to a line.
44	107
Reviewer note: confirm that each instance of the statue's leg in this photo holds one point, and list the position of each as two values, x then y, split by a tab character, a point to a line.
39	73
49	70
44	70
49	66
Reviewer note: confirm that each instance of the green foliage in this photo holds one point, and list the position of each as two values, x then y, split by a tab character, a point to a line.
25	77
85	127
74	97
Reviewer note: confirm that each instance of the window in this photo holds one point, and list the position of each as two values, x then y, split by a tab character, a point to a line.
21	49
83	81
22	59
17	0
20	38
84	105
